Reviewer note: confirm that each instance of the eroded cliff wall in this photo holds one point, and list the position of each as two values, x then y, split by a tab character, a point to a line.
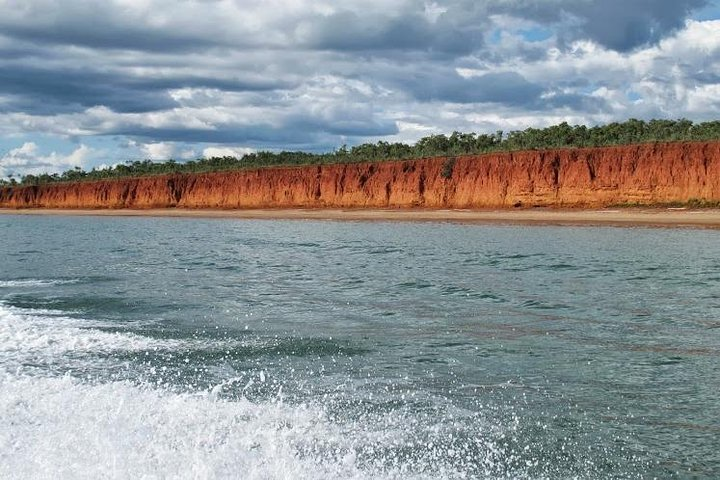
593	177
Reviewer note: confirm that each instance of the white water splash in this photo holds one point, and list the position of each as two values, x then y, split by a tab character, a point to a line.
65	427
61	428
48	333
68	427
34	283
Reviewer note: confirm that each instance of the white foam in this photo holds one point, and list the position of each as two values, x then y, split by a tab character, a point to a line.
46	333
33	283
65	428
61	428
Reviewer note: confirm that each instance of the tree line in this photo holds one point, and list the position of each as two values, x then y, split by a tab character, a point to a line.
556	136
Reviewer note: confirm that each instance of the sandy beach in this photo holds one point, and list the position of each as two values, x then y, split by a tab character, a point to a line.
703	218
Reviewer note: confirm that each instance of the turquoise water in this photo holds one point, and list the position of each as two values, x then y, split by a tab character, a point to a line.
314	349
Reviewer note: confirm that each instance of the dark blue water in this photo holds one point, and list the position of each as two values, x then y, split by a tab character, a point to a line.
302	349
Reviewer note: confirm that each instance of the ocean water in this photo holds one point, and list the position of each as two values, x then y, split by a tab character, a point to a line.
191	348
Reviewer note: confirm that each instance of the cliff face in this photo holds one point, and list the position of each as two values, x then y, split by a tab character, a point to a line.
565	178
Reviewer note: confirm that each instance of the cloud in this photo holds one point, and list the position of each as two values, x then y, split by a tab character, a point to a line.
633	24
236	152
406	31
161	151
158	151
160	25
27	159
496	87
72	86
618	25
179	78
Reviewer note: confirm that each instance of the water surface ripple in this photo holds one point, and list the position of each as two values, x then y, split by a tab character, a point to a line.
316	349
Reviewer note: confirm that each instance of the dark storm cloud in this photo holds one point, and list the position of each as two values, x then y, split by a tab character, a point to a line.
347	31
108	35
45	91
623	25
620	25
507	88
295	130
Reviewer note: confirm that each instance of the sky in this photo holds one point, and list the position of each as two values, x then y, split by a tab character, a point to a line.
93	83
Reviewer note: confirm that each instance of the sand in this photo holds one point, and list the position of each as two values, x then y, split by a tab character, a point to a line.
704	218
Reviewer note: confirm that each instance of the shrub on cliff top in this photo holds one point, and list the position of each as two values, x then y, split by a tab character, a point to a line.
556	136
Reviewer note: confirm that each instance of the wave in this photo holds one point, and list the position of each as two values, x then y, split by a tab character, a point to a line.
31	282
63	427
33	332
95	426
42	338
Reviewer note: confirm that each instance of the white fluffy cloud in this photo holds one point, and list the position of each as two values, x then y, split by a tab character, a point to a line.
161	151
236	152
158	151
27	159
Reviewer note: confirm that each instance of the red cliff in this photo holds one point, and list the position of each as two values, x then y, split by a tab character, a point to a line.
591	177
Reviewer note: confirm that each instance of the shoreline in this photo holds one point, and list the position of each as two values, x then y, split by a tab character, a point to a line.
646	217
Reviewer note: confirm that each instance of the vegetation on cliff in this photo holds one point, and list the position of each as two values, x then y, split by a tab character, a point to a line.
662	174
557	136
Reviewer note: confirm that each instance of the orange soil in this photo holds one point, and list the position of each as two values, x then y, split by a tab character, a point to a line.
588	178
